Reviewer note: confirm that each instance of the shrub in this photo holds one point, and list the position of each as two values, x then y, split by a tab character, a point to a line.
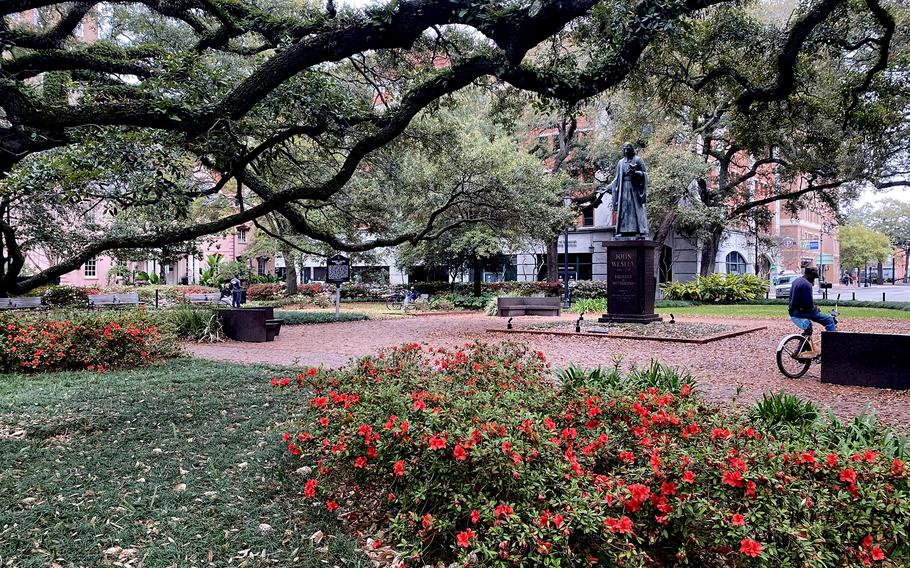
90	341
720	288
66	296
197	323
589	289
363	292
264	291
442	304
467	301
473	455
303	317
590	306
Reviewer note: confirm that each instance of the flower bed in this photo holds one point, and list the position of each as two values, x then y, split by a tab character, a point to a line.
93	342
476	455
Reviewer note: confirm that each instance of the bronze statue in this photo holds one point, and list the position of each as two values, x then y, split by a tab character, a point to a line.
630	193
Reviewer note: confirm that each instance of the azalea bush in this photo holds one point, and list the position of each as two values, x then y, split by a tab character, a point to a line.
477	455
81	341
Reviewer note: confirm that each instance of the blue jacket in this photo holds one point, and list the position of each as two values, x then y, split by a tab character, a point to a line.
801	301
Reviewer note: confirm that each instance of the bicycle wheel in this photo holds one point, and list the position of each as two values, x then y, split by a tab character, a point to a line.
787	360
393	304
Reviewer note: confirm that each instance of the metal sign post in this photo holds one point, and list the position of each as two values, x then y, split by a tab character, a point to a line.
338	271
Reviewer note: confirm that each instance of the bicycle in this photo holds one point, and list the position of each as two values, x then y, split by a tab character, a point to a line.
796	352
394	301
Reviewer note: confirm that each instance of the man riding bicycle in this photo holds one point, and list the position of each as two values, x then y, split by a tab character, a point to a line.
802	306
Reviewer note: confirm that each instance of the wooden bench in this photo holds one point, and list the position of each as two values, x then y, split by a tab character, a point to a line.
210	298
255	325
866	359
114	300
546	306
22	303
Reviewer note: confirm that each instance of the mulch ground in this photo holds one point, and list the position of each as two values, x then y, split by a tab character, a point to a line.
736	370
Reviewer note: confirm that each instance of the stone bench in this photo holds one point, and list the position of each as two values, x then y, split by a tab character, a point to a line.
511	307
130	299
866	359
23	303
255	325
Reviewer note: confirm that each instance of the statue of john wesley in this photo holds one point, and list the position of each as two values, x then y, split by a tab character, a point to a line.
630	193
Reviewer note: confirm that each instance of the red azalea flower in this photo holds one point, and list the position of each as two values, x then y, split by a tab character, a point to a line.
437	442
310	489
360	462
503	511
475	516
464	538
460	454
685	390
867	541
399	468
848	475
750	547
732	478
738	520
427	521
878	554
331	505
557	520
688	477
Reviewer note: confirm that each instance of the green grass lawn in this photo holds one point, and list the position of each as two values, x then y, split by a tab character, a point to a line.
758	311
178	464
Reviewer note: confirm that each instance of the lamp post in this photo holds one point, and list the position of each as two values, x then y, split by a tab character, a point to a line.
826	229
566	202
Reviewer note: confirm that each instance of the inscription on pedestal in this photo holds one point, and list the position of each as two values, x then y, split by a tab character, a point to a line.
630	282
622	281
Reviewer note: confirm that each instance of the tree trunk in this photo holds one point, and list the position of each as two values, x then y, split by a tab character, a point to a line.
709	252
477	276
553	260
881	274
290	277
660	237
906	265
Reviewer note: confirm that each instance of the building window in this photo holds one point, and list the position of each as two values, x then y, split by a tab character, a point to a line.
736	264
260	260
241	235
587	217
90	268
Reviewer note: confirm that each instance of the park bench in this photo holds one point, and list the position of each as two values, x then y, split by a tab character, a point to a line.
23	303
250	324
114	300
866	359
535	306
210	298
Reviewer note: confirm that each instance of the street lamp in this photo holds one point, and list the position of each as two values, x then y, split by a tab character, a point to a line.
826	229
566	202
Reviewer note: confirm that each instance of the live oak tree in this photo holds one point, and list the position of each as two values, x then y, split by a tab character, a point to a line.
222	96
843	126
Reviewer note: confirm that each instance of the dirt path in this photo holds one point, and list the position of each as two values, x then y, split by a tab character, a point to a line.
744	363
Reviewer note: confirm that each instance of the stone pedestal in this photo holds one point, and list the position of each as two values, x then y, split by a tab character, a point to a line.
631	284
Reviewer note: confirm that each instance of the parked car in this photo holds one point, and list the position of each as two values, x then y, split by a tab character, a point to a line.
782	288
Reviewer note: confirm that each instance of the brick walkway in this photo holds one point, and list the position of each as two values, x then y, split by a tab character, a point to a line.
719	368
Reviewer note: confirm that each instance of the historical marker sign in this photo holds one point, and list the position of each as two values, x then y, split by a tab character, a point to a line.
338	269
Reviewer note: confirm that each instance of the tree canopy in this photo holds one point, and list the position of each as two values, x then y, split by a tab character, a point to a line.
289	106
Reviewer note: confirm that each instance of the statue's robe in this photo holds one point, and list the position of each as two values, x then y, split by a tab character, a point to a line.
629	199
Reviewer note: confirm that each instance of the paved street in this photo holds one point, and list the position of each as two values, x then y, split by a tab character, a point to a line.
893	293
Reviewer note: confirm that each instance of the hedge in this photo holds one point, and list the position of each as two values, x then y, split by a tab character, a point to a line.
301	317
